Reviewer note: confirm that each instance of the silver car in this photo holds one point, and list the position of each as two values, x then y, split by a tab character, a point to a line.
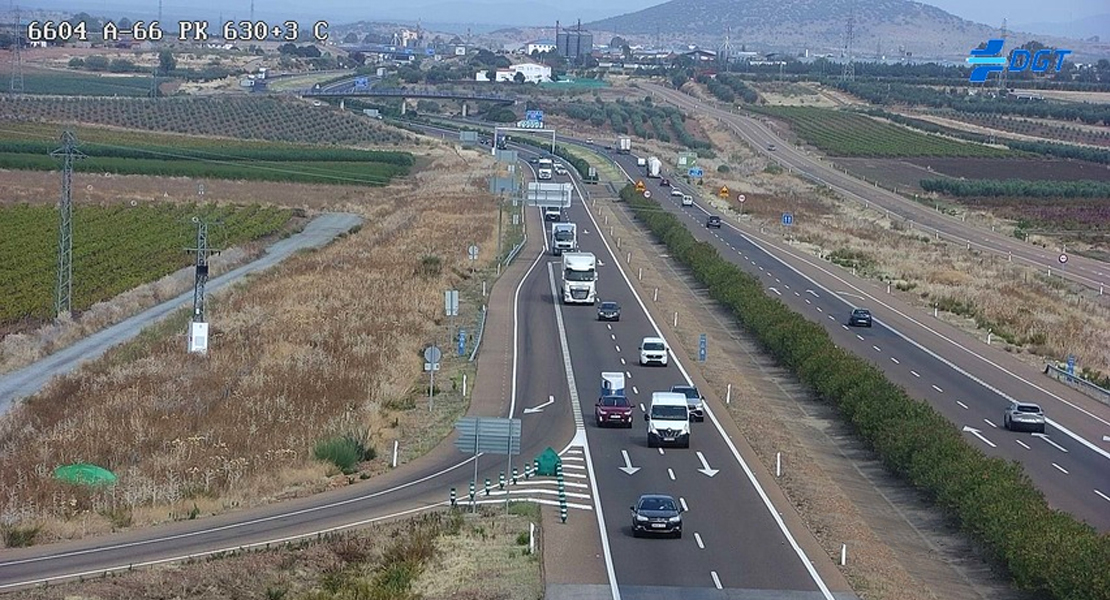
1024	415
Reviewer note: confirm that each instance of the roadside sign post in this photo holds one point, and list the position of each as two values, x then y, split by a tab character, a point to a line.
647	193
1071	365
741	198
432	355
701	348
480	435
787	219
696	172
724	192
462	342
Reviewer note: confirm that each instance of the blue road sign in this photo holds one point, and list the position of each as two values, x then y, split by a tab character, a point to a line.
701	348
430	51
1071	364
462	341
533	115
362	82
788	219
696	172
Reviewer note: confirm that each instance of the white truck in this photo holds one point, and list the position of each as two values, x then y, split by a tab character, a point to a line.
579	278
564	238
668	420
543	173
654	166
624	145
545	168
641	162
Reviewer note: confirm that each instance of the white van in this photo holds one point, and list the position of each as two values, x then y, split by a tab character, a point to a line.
668	420
653	350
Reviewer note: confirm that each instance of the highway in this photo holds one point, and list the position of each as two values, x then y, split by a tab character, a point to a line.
969	385
1085	271
734	537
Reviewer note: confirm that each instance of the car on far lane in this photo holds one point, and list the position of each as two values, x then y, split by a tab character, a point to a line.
687	200
656	514
694	400
665	182
609	311
653	350
1024	415
713	222
677	192
860	317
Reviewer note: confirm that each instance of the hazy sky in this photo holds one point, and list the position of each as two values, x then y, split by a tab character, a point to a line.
990	12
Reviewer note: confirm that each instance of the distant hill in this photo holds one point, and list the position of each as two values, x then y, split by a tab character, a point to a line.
889	28
1097	26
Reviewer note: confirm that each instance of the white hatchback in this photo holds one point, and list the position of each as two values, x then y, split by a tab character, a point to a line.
687	200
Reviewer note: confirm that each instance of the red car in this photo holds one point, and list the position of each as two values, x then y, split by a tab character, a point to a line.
613	410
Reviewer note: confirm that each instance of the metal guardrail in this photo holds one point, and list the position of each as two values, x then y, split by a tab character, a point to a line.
516	250
481	329
403	93
1098	393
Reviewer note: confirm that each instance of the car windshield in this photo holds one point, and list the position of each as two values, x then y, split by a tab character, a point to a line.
1028	408
714	219
563	235
859	312
570	275
669	413
691	392
662	504
653	346
614	401
609	306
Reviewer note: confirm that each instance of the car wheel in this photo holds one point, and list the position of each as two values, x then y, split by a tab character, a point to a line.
678	534
651	444
1006	422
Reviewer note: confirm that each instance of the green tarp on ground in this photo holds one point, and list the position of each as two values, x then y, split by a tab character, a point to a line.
85	474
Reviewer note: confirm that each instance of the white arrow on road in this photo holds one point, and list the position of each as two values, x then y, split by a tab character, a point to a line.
775	291
705	466
1054	444
976	433
812	293
536	409
628	468
1106	438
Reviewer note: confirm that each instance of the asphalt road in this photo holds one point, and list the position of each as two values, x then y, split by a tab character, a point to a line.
420	485
30	379
969	385
1088	272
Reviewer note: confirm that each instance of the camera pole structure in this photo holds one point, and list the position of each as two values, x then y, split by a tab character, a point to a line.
63	291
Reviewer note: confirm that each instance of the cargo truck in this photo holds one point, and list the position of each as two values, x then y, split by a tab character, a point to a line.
654	166
564	238
624	145
579	278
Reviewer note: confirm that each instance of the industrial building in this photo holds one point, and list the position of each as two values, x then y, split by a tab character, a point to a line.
574	44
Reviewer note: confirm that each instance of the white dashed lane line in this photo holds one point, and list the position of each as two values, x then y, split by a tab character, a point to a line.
876	348
618	348
1023	444
634	390
642	409
1103	496
859	337
915	373
1061	469
623	362
660	451
988	422
962	405
716	580
628	375
894	360
613	337
939	391
697	538
670	473
682	501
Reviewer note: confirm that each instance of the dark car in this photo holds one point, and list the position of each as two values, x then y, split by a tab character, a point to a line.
665	182
713	222
534	160
656	514
861	317
609	311
694	400
613	410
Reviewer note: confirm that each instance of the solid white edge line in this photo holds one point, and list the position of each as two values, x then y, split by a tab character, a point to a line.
735	453
516	326
184	557
571	384
938	357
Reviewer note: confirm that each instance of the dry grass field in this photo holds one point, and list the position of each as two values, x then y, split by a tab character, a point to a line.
1033	316
327	344
437	556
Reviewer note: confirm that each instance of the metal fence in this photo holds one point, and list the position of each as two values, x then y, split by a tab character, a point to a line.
478	337
1088	388
516	250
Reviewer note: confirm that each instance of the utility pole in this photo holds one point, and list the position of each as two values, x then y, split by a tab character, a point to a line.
849	71
16	85
1002	76
202	251
63	291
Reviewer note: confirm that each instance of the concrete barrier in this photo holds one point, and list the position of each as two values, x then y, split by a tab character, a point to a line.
1088	388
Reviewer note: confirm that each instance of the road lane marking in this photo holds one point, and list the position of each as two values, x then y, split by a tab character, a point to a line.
636	391
682	501
660	451
623	361
988	422
670	473
642	409
808	302
894	360
859	337
1023	444
842	325
819	309
1103	496
962	405
939	391
1061	469
876	348
613	337
568	368
697	538
618	349
716	580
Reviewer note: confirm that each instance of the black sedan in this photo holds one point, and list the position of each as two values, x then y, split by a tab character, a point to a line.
609	311
656	514
713	222
861	317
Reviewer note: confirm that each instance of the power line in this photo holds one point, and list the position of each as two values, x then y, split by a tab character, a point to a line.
202	251
848	73
16	85
63	291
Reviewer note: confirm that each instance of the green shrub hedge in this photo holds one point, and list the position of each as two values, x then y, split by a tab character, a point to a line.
1046	551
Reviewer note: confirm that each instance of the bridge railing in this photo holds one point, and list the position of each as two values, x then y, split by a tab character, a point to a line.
401	93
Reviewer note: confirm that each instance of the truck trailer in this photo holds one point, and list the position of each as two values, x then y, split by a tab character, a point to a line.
654	167
579	278
624	145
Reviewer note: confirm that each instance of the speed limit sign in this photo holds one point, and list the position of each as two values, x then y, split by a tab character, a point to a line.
647	193
740	198
1063	259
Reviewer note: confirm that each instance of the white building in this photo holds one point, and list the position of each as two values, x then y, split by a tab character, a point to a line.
539	46
533	73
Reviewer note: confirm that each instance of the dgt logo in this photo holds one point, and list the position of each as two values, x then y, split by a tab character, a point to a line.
989	59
